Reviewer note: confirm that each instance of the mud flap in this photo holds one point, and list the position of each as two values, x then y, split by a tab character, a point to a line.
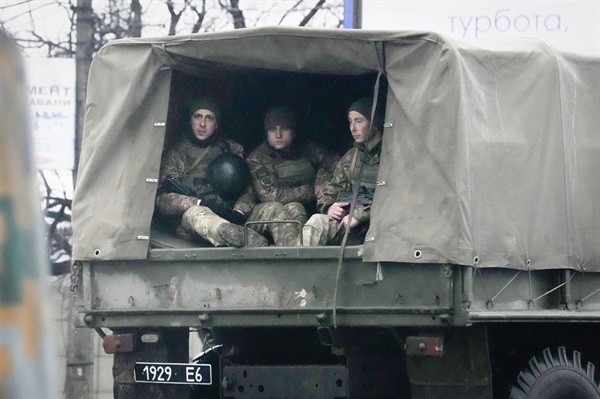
172	347
462	371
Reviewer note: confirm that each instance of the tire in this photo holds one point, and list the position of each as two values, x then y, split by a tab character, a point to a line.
554	377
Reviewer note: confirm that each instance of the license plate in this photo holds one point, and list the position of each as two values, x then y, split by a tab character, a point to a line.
173	373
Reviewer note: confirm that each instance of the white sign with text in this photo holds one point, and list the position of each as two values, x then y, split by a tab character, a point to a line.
51	83
572	26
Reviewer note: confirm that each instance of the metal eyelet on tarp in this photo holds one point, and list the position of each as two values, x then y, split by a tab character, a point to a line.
159	124
388	125
417	254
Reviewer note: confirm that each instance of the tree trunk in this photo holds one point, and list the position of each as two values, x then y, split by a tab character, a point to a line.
239	21
136	21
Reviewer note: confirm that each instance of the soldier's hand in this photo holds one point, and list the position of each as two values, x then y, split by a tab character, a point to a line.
349	220
338	210
215	207
319	189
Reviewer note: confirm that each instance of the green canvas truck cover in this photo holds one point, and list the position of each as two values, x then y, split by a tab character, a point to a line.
491	152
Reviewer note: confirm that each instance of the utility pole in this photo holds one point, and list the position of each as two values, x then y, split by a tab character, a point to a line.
80	356
80	349
353	14
83	59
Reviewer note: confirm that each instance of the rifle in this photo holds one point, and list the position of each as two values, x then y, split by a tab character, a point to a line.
365	196
172	185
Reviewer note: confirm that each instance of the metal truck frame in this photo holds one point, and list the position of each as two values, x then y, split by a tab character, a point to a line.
480	274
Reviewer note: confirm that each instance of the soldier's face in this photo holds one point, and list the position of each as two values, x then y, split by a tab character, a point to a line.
359	126
203	123
280	137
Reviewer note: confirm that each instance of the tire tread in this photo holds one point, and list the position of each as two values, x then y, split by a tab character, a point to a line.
528	377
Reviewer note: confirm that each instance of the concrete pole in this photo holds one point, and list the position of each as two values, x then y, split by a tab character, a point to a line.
80	350
83	59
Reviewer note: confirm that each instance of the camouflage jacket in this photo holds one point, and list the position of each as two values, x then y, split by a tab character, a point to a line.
314	161
342	179
179	162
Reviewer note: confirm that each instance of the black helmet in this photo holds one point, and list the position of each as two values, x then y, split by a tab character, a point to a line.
229	175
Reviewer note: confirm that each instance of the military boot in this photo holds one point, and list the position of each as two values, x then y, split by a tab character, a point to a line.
216	230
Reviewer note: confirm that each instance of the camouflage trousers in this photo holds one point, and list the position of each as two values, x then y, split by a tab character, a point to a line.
202	221
321	230
283	234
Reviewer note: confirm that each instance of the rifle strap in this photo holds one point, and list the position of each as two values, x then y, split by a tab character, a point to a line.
196	162
353	165
353	202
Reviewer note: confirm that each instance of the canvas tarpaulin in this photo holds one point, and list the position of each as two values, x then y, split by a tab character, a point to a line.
491	154
499	168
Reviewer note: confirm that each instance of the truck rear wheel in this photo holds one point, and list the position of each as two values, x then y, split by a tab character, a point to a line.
556	377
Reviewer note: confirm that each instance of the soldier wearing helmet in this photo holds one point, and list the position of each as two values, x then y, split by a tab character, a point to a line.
328	227
287	175
199	209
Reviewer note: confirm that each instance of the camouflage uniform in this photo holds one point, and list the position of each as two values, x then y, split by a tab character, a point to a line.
283	234
177	207
284	182
322	230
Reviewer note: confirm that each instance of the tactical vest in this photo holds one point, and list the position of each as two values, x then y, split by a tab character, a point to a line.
295	172
197	161
368	178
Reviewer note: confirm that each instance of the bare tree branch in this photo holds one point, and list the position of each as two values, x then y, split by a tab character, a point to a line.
123	18
294	8
312	13
175	16
60	48
57	213
200	15
13	5
27	12
73	26
239	21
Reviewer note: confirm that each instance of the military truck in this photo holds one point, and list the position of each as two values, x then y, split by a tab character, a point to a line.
480	273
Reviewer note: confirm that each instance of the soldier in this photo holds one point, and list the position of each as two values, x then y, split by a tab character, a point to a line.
287	175
192	199
328	227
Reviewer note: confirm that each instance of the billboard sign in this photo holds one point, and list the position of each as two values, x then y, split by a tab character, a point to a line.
572	26
51	85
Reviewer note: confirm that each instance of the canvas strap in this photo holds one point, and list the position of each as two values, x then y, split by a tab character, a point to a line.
196	162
